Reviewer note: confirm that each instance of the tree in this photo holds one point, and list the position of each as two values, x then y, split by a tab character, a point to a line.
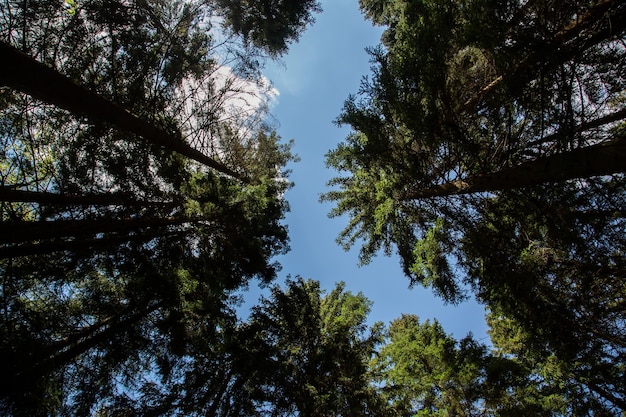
590	161
421	370
269	24
414	136
10	194
565	294
28	76
197	267
481	127
307	353
117	250
560	390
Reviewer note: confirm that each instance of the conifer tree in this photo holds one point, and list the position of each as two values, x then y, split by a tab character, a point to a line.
125	228
486	149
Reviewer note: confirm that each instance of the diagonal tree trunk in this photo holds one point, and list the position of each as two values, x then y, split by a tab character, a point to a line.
111	329
23	73
78	246
602	159
30	367
583	127
61	355
19	232
45	198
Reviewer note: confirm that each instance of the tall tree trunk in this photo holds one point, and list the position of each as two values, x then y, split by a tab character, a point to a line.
18	232
217	399
81	246
44	198
603	159
612	397
63	354
583	127
23	73
35	366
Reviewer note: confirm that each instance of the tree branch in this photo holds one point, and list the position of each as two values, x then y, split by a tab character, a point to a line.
10	194
523	70
23	73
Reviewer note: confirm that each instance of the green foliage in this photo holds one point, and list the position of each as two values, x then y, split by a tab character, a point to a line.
460	90
423	371
415	121
431	266
548	287
120	269
71	7
310	351
269	24
120	301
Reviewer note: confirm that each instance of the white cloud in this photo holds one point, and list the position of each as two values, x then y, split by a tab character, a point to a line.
220	102
240	95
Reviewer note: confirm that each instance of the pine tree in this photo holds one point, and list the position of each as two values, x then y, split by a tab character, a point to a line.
486	149
125	229
307	352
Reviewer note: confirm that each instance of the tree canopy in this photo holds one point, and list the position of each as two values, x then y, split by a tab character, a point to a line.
142	187
137	198
487	149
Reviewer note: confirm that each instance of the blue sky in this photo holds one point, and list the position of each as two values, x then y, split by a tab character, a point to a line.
313	80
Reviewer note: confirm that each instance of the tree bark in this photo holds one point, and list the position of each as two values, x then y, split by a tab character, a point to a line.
218	397
591	161
38	366
608	396
80	246
19	232
44	198
23	73
63	355
583	127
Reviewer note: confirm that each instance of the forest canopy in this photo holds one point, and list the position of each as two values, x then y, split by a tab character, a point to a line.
143	183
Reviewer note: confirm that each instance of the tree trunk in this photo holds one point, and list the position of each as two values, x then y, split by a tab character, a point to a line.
218	397
583	127
38	366
45	198
18	232
21	72
591	161
81	246
608	396
99	334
